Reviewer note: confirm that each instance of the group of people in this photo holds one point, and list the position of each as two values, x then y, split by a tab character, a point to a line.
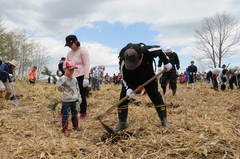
189	75
225	76
136	67
7	78
221	75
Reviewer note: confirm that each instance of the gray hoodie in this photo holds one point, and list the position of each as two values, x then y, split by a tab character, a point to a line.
70	89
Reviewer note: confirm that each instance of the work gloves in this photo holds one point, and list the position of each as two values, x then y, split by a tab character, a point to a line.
223	86
168	66
177	72
79	100
130	93
10	75
85	82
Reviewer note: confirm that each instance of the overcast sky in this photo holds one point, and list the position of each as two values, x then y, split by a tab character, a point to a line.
105	26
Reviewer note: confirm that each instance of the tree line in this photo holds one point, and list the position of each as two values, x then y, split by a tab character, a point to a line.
217	38
18	45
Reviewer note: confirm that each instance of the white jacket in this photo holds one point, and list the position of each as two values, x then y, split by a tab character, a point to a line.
218	72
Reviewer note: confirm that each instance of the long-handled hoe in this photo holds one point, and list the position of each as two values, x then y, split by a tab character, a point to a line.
99	117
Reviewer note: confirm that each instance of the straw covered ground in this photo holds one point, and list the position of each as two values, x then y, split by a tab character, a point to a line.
206	124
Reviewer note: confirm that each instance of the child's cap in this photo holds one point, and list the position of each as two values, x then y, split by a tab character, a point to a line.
69	64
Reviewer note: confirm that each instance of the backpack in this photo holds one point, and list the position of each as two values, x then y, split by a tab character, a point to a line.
145	49
59	73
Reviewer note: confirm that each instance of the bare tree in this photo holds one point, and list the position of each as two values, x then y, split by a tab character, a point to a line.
18	45
40	57
218	37
2	37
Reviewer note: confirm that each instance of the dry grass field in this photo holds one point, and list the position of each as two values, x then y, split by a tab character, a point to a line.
204	122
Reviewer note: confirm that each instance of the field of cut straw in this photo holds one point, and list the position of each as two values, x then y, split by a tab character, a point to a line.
206	124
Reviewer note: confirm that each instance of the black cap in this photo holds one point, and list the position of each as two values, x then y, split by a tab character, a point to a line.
132	57
70	39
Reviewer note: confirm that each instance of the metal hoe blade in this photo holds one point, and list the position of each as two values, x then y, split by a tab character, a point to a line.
107	128
15	99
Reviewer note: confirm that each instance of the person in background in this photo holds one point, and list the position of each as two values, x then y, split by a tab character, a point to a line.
32	75
171	75
114	79
6	78
60	67
96	73
49	79
186	76
220	76
118	79
192	70
223	66
209	76
80	56
68	85
234	73
107	78
181	78
136	68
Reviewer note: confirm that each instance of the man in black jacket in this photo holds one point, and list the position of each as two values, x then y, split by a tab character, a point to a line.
192	69
136	67
171	75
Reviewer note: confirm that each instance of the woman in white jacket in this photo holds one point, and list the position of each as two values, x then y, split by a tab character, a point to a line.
235	76
220	76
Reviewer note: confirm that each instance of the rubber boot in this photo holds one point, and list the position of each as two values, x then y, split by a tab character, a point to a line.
75	125
231	86
60	119
174	92
162	113
164	91
192	86
122	116
1	96
65	128
7	96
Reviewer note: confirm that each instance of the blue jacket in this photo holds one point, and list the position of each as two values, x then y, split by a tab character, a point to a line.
5	70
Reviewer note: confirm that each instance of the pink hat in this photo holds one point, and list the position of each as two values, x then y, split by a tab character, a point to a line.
69	64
